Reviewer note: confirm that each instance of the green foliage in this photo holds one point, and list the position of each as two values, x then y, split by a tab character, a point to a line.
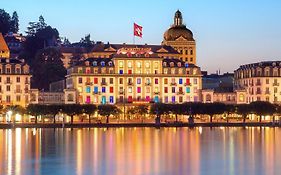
14	24
47	67
159	109
107	110
87	42
5	22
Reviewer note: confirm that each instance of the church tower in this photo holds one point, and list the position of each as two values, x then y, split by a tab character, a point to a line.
181	38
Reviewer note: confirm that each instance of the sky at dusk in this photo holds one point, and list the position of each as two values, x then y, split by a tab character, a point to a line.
228	32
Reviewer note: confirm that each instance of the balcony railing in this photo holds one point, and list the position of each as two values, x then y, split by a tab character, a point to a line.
275	84
27	82
18	91
258	83
147	84
130	83
156	93
97	93
267	92
173	84
180	93
258	92
89	83
121	92
103	83
187	84
8	82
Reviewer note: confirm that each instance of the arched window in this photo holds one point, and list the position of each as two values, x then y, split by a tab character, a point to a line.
70	97
95	63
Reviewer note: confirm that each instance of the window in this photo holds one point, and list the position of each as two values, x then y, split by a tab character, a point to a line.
18	98
173	99
130	99
156	99
147	89
166	81
8	98
139	64
120	72
139	81
156	65
96	89
103	100
111	80
180	89
156	89
147	98
173	89
165	89
187	81
79	89
147	65
103	89
139	89
88	99
166	99
111	99
8	88
102	63
18	79
95	63
88	89
180	99
130	89
8	70
111	89
70	97
129	71
120	64
120	80
121	99
129	64
156	80
80	80
180	81
195	80
191	52
267	81
187	89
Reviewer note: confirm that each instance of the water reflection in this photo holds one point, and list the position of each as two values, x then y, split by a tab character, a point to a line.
122	151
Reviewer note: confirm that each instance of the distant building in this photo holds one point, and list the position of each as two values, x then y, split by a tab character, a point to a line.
14	42
260	80
14	78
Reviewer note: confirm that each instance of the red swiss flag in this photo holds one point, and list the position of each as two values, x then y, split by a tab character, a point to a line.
137	30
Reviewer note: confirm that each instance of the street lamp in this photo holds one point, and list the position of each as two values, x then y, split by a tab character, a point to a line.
9	116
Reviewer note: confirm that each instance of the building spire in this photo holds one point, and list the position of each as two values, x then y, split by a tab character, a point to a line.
178	18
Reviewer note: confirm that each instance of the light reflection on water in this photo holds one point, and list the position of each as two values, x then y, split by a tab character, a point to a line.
123	151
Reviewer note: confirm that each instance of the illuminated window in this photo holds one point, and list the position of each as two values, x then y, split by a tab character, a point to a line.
121	72
130	89
120	80
180	99
241	97
165	89
111	89
88	89
147	65
156	80
147	98
139	64
156	89
187	89
166	99
130	99
111	80
120	64
180	89
173	89
79	80
129	64
156	65
111	99
195	80
103	100
79	89
180	81
139	81
129	71
88	99
156	99
173	99
103	89
166	81
96	89
139	89
147	89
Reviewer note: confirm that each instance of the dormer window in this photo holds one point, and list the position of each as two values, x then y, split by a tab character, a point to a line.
102	63
186	65
95	63
165	64
172	64
109	63
179	64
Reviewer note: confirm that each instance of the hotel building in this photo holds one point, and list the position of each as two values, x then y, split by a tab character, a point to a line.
260	80
14	78
122	73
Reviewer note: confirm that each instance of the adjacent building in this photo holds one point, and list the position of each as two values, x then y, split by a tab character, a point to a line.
14	78
260	80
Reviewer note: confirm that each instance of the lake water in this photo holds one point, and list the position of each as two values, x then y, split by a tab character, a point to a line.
141	151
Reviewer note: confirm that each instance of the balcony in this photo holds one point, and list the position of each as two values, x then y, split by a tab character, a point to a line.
97	93
156	93
18	91
8	82
27	82
267	92
88	83
275	84
103	84
147	84
258	83
26	90
258	92
180	93
187	84
130	84
173	84
121	92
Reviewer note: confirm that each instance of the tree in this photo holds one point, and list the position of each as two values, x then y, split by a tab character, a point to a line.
47	67
244	110
14	24
107	110
53	110
35	110
212	109
261	108
16	109
87	42
159	109
142	110
72	110
5	23
89	109
177	109
41	23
